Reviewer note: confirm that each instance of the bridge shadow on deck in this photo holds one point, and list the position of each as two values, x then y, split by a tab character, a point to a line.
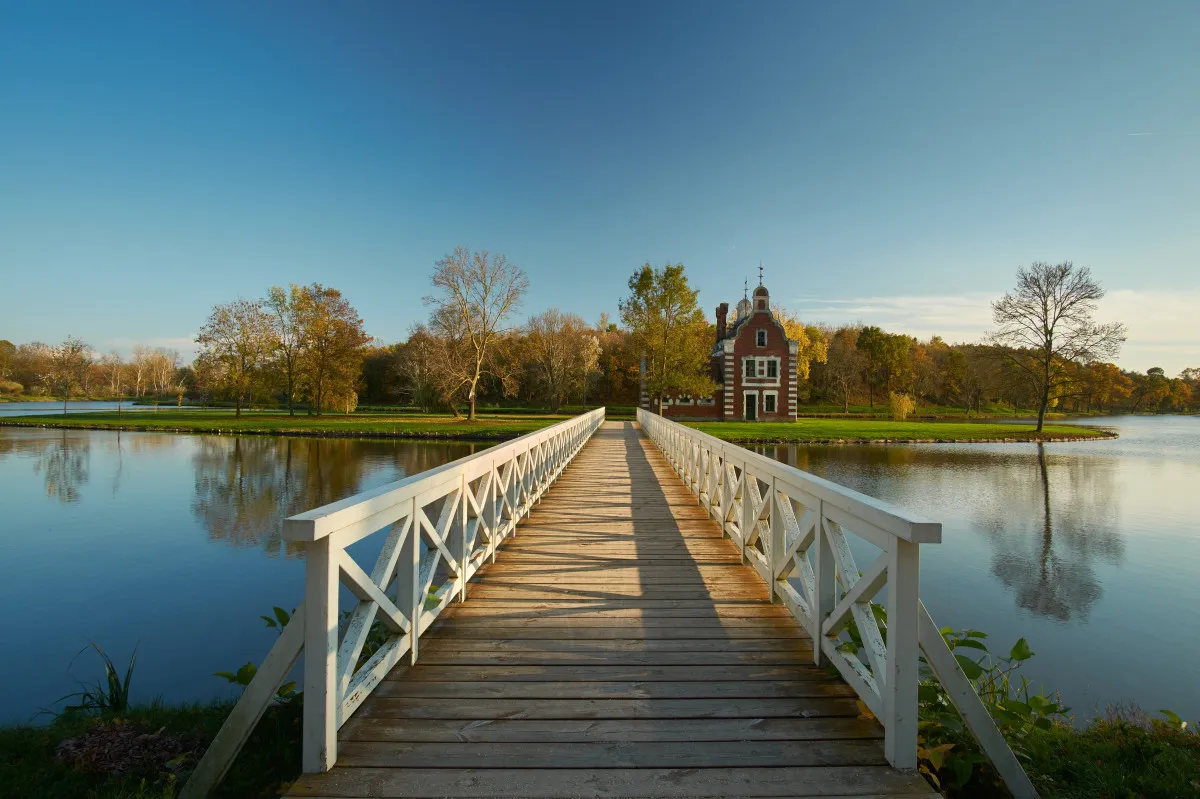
617	647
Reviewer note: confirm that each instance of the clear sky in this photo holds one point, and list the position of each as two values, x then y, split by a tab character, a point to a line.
887	162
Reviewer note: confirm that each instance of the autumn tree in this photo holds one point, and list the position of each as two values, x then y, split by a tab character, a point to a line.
477	295
669	329
562	353
284	305
235	344
1047	322
68	365
8	354
333	341
844	364
810	341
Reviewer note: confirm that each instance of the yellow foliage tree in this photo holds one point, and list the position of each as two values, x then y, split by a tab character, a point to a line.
811	343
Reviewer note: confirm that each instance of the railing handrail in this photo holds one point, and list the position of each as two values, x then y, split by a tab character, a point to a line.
829	592
327	519
479	498
892	518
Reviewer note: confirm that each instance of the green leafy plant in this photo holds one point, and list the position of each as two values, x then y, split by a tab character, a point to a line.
949	755
245	674
108	696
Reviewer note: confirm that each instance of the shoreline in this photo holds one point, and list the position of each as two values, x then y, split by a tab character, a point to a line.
486	436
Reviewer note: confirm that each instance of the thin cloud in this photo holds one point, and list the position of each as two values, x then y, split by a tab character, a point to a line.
1143	134
1162	330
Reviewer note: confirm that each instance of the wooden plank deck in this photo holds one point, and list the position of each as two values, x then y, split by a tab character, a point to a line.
617	648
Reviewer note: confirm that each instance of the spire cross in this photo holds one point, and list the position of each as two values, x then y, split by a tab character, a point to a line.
760	273
746	289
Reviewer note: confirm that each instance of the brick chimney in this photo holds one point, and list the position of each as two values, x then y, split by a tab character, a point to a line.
722	316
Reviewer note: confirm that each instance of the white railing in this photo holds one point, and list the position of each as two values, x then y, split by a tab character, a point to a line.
442	525
792	527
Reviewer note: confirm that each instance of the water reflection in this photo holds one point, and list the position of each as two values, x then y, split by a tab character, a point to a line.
64	463
245	487
1049	519
1051	566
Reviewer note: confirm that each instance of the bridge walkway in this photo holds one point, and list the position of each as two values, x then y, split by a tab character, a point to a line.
617	648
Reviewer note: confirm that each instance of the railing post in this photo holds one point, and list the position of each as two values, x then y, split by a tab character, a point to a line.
464	546
319	748
492	517
903	649
825	584
747	520
777	544
408	581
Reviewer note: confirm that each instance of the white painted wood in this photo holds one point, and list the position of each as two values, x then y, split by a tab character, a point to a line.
975	715
319	736
249	709
901	675
889	686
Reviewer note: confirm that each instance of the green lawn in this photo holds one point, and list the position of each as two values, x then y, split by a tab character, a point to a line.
408	425
863	430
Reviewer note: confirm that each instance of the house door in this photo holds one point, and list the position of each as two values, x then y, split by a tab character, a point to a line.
751	402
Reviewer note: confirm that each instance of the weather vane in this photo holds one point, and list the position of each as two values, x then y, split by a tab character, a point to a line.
760	273
746	289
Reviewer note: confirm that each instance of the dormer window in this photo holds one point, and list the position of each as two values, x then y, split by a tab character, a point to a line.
762	338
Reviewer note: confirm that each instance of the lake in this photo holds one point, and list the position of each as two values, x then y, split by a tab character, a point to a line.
49	408
171	543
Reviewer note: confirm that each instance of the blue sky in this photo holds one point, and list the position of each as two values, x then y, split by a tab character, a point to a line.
889	162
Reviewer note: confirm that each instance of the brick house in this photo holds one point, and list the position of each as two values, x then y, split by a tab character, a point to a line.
753	364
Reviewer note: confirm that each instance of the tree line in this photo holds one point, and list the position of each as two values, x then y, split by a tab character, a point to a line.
306	347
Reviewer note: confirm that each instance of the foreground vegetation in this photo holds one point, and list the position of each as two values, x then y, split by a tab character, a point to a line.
853	431
145	752
367	425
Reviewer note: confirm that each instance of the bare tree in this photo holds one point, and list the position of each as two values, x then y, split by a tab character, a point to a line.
563	355
1048	322
479	292
68	366
163	365
142	360
420	369
235	343
114	372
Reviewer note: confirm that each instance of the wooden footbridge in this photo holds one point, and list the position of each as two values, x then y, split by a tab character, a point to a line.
577	613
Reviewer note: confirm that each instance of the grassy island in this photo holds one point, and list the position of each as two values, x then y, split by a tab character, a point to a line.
358	425
501	426
863	431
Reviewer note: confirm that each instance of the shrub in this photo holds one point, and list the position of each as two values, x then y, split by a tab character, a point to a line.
11	388
902	406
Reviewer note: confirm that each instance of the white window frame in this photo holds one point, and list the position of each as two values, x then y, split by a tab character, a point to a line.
760	338
769	362
774	396
746	395
753	369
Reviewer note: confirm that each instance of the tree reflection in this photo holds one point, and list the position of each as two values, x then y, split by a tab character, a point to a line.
1052	571
64	463
245	487
1050	518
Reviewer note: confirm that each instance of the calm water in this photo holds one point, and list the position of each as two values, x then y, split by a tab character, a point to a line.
167	542
1090	550
171	542
46	408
